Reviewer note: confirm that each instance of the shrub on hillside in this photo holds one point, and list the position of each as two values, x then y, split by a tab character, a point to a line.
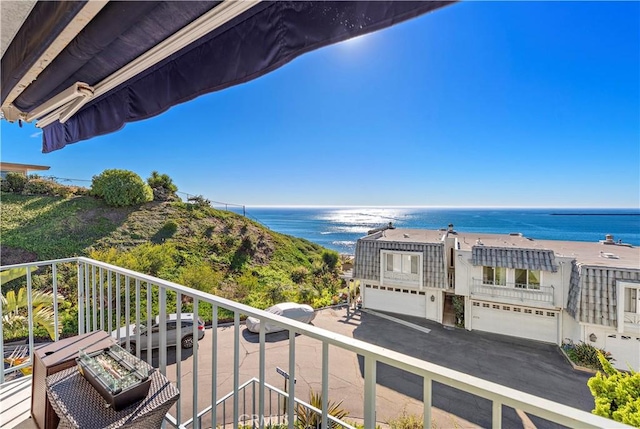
163	187
37	186
200	201
14	182
330	259
299	274
121	188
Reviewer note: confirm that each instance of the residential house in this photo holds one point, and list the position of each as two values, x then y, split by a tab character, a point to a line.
543	290
11	167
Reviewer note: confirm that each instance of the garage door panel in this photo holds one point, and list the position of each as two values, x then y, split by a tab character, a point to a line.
515	323
625	350
396	302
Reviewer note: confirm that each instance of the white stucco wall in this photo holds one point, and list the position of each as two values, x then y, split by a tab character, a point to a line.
434	309
570	328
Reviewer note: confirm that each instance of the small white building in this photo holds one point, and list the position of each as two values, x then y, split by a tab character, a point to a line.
543	290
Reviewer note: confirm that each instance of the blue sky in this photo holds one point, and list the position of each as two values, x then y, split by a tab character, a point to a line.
527	104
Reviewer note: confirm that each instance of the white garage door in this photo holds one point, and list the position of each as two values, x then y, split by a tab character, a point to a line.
516	321
625	350
395	300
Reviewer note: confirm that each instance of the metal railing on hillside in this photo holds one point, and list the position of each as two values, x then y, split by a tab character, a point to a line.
109	297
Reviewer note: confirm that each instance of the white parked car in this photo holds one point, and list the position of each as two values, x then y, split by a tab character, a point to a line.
175	336
301	312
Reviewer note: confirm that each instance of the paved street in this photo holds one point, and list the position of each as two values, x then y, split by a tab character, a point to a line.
535	368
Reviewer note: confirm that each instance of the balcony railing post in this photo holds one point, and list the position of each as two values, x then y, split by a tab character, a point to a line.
253	406
426	400
109	306
149	325
94	298
137	328
127	312
369	391
29	313
194	368
179	360
87	306
162	305
291	416
325	383
214	364
81	298
118	318
236	366
102	301
496	415
261	375
54	284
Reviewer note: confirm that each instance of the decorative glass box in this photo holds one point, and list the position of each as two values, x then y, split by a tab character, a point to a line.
116	374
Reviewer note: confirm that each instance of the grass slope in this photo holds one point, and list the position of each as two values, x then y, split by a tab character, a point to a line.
211	250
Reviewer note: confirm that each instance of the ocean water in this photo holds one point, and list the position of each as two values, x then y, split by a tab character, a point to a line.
339	228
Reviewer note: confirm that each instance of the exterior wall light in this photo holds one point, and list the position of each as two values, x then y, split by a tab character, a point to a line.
433	298
593	338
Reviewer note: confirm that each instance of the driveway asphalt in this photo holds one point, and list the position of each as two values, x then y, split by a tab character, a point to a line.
532	367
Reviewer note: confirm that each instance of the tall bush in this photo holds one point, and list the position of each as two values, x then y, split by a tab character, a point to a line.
330	259
121	188
14	182
162	185
616	394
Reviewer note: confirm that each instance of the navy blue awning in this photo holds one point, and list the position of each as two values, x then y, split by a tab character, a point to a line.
255	42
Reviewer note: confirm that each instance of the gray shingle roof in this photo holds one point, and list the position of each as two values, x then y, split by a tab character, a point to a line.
367	260
528	259
593	294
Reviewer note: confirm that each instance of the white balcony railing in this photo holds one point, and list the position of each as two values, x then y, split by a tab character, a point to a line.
109	296
633	318
513	291
401	277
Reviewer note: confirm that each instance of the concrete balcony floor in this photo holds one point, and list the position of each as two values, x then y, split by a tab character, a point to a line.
15	397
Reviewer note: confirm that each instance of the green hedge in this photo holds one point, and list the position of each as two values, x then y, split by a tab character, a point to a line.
121	188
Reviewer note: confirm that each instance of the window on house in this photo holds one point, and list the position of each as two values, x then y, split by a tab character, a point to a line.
389	262
494	276
527	279
402	263
630	300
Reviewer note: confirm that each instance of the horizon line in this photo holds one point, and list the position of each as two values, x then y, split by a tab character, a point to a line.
338	206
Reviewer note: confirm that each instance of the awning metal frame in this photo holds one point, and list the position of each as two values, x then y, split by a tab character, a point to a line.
208	22
86	14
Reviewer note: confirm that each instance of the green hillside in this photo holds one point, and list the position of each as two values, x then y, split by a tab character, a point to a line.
194	245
